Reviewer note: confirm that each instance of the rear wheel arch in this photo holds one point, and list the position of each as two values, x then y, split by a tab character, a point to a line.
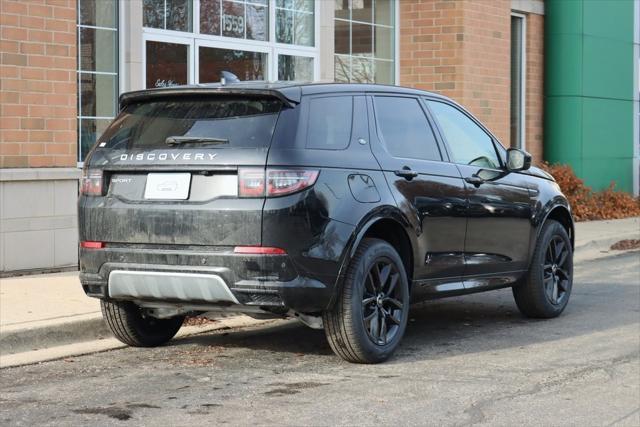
386	223
393	232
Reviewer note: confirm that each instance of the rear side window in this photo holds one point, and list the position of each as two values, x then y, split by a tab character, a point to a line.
232	122
469	143
330	121
405	129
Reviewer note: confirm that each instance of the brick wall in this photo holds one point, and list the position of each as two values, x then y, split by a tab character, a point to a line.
534	97
38	83
460	48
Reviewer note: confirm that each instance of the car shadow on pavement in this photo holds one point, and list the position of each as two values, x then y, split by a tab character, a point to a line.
461	325
443	328
288	336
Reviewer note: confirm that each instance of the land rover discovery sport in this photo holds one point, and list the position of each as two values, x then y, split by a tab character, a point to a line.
337	204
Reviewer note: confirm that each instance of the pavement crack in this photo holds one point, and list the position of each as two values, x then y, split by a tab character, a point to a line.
624	417
476	411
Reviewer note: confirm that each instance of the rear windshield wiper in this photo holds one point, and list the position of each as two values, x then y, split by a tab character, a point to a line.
176	140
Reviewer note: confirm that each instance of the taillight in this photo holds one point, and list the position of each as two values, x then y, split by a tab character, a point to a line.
279	182
87	244
251	182
287	181
92	182
258	250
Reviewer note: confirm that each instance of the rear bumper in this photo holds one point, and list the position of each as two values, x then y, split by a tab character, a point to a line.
197	276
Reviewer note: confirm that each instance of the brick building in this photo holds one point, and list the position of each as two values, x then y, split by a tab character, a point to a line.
64	63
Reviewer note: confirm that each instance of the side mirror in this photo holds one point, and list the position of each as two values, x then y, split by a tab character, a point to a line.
518	160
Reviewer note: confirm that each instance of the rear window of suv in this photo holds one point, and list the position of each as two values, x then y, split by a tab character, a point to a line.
330	120
228	122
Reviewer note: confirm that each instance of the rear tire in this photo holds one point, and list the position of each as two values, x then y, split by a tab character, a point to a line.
129	325
370	316
544	292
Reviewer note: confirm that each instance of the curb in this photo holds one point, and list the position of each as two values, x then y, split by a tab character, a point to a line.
86	336
19	338
601	235
595	249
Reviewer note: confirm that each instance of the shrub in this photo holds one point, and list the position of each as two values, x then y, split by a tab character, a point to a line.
587	204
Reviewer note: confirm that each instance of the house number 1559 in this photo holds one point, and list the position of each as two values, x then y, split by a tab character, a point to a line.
234	24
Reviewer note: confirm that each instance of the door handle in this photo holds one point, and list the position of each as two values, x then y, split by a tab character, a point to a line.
406	173
475	180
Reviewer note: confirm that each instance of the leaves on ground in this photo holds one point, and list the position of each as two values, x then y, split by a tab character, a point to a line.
587	204
626	244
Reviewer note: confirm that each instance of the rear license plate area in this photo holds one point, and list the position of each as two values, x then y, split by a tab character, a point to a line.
167	186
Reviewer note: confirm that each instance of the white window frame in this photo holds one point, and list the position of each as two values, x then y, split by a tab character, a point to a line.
523	79
117	73
396	51
168	38
396	42
196	39
636	105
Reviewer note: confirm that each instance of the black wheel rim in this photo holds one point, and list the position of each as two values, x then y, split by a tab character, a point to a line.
557	271
383	302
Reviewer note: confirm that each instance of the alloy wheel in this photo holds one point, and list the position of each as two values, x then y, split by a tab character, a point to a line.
382	305
556	271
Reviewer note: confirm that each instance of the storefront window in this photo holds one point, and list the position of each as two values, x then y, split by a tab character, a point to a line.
364	41
294	22
246	65
231	35
97	70
298	68
167	64
517	80
239	19
176	15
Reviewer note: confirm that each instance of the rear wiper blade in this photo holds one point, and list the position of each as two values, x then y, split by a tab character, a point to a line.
176	140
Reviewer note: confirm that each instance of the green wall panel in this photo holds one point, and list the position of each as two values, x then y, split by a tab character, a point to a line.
589	88
612	19
597	173
563	17
564	54
564	116
608	68
599	138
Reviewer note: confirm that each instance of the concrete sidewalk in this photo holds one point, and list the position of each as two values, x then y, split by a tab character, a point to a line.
594	238
39	312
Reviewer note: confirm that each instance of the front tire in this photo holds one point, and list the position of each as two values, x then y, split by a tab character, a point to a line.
370	316
130	326
545	290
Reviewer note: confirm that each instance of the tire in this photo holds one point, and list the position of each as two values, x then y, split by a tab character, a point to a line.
384	301
131	327
545	291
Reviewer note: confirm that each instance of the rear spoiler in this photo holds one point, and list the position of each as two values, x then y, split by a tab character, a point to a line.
290	96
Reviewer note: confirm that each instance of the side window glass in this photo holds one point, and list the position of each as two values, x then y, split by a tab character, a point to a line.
469	143
330	121
405	130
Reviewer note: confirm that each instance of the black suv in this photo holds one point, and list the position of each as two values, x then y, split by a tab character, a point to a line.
337	204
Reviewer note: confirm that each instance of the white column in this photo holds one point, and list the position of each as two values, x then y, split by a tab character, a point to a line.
325	41
132	45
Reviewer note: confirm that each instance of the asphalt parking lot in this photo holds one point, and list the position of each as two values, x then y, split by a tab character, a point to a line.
468	360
